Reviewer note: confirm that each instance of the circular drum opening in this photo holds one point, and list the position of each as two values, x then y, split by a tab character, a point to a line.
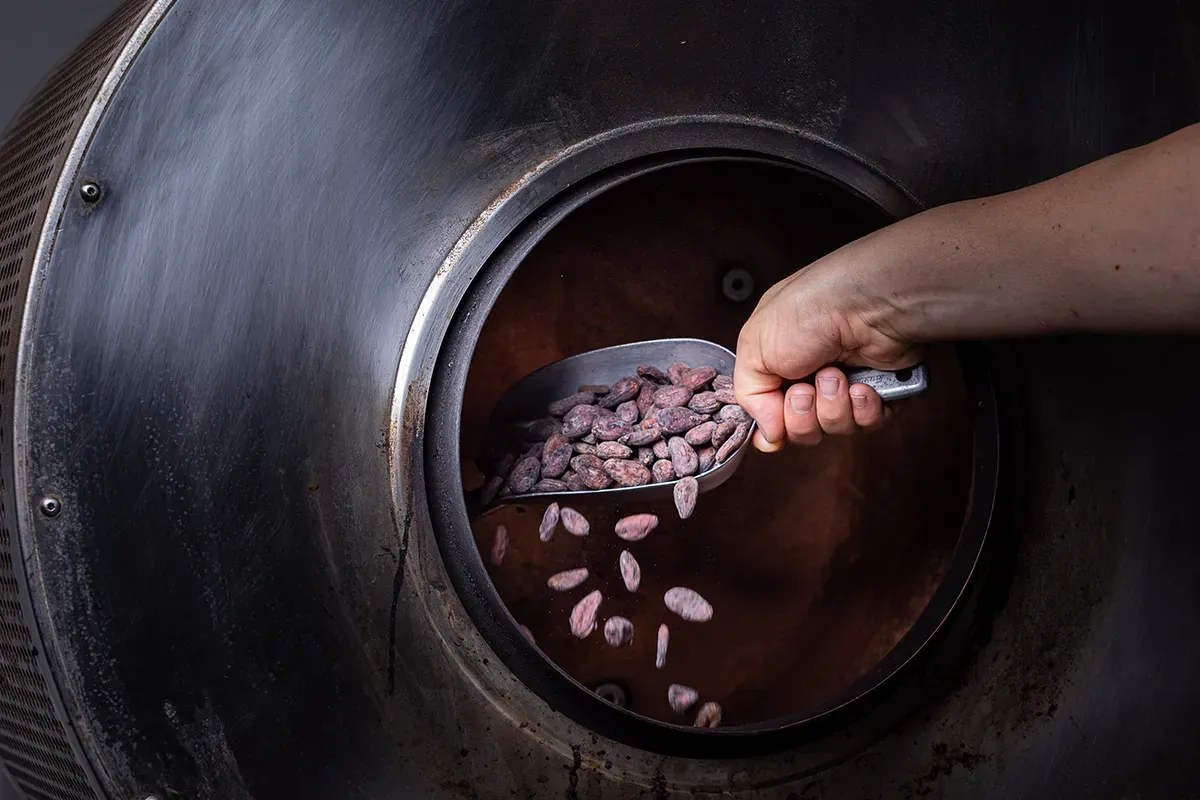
828	568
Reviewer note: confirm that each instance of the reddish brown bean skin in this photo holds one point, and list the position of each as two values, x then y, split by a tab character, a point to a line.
583	615
677	420
701	434
626	473
709	716
575	523
662	471
671	396
556	456
525	473
733	442
695	379
660	650
645	399
499	545
618	631
683	457
568	579
631	571
688	604
636	527
624	389
560	407
549	523
685	493
590	470
579	420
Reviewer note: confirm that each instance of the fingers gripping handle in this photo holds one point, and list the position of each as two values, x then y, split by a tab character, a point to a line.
892	385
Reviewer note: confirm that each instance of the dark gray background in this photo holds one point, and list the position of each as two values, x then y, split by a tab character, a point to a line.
34	37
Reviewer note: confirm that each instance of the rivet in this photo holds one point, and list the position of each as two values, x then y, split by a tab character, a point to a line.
737	285
50	505
89	191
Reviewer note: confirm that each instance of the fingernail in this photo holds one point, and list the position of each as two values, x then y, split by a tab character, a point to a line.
828	386
858	399
802	403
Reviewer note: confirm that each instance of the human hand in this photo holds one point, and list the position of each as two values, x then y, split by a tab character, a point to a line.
816	317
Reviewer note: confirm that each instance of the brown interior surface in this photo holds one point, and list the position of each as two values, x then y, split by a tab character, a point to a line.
816	561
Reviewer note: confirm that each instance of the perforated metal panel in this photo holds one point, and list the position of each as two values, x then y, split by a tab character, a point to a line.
34	744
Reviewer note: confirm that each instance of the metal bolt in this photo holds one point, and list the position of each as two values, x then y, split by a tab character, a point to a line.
50	505
737	285
613	693
89	191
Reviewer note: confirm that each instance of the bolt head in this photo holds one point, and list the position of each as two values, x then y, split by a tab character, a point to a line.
89	191
50	505
737	285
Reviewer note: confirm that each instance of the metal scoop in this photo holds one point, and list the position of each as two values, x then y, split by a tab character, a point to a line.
527	400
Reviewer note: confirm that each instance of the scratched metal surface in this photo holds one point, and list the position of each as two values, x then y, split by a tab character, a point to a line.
240	611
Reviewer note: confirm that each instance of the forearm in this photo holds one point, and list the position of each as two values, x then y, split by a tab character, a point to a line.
1112	246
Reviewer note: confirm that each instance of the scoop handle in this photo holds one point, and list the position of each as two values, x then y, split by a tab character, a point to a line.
891	384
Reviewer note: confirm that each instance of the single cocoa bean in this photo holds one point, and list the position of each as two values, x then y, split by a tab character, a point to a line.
556	456
548	485
549	523
732	413
567	579
559	408
720	382
525	473
671	396
609	429
583	615
636	527
733	442
612	450
583	449
628	411
590	470
701	434
594	388
542	429
678	420
589	439
618	631
722	433
695	379
650	420
631	571
626	473
663	471
653	373
660	650
499	545
528	634
688	604
707	458
676	371
726	396
681	697
709	716
683	457
491	489
624	389
661	450
704	403
575	523
641	437
645	456
685	496
576	484
645	399
578	421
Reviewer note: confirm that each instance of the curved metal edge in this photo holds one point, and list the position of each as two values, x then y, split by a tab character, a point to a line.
75	722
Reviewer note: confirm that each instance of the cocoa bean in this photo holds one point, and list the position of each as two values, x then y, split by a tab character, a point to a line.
525	473
722	433
578	421
542	429
688	604
660	650
528	634
709	716
663	471
650	420
594	388
618	631
624	389
636	527
701	434
576	484
584	449
696	378
661	450
628	411
574	522
548	485
609	429
677	420
549	523
499	545
626	473
725	396
631	571
559	408
583	615
681	697
653	373
733	442
720	382
685	496
707	457
556	456
612	450
491	489
683	457
704	403
589	439
590	470
732	413
645	456
567	579
676	371
641	437
645	399
671	396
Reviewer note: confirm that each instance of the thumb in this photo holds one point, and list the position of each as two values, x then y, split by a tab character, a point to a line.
757	391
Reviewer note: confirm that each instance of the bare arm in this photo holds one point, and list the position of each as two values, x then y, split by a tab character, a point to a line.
1112	246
